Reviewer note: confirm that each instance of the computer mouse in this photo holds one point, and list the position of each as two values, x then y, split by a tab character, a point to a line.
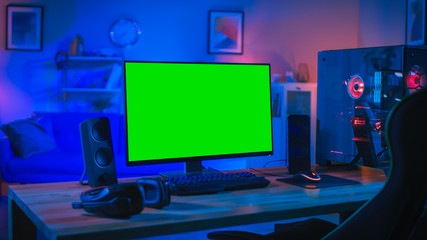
308	176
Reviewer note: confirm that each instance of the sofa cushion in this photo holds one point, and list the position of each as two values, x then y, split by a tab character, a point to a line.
66	131
54	162
46	123
28	138
42	178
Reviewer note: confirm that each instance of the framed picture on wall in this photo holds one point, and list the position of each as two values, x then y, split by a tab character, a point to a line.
225	32
416	22
24	28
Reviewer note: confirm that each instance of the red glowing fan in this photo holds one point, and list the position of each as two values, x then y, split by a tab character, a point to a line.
355	87
415	79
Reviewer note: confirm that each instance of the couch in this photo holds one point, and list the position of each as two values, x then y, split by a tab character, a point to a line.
57	156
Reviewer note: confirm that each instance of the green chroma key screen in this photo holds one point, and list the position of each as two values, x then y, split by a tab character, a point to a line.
184	111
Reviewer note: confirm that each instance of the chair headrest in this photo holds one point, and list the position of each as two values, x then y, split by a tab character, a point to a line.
406	135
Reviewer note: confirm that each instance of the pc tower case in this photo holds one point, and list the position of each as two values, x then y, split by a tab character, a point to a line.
356	89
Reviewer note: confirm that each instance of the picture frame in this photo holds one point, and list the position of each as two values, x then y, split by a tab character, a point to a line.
24	28
225	32
416	22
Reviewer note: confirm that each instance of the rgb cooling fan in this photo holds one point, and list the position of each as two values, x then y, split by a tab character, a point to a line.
355	87
416	79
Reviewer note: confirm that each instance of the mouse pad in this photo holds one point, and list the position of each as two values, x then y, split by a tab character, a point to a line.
326	181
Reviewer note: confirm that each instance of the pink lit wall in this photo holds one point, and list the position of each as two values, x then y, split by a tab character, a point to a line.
281	32
287	33
381	23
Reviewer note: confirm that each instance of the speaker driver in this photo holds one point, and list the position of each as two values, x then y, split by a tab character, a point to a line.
102	157
298	128
100	131
299	149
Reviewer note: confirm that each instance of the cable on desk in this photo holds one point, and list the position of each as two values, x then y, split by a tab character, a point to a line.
83	176
284	160
266	173
256	170
215	170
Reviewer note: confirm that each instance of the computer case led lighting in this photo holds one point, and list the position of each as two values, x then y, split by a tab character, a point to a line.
356	89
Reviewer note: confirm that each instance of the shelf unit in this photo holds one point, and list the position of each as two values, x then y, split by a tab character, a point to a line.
78	66
98	59
88	94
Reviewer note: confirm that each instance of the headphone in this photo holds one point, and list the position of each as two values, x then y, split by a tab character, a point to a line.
61	60
123	200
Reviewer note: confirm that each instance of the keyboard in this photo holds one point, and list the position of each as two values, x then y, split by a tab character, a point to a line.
214	183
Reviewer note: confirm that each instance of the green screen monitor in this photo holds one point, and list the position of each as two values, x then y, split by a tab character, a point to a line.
189	112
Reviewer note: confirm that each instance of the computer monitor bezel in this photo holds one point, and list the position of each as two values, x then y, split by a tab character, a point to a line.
194	159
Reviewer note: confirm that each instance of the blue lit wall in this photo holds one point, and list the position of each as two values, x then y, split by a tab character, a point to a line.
283	33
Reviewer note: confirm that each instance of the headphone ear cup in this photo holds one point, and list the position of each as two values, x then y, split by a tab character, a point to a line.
118	200
134	194
157	192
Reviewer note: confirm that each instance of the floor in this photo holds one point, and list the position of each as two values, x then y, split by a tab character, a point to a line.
262	228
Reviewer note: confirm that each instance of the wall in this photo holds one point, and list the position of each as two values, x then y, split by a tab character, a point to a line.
287	33
381	23
283	33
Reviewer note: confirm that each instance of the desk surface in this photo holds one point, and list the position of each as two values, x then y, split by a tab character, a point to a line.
47	207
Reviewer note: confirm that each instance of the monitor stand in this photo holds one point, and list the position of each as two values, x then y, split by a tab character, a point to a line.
192	168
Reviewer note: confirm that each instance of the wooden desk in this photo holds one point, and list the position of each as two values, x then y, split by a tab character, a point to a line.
47	207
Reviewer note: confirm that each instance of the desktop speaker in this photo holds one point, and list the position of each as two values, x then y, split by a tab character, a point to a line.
298	143
98	152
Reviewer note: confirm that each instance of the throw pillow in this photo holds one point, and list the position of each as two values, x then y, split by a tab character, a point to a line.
28	138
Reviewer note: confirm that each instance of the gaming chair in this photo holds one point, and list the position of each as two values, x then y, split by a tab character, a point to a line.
396	210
